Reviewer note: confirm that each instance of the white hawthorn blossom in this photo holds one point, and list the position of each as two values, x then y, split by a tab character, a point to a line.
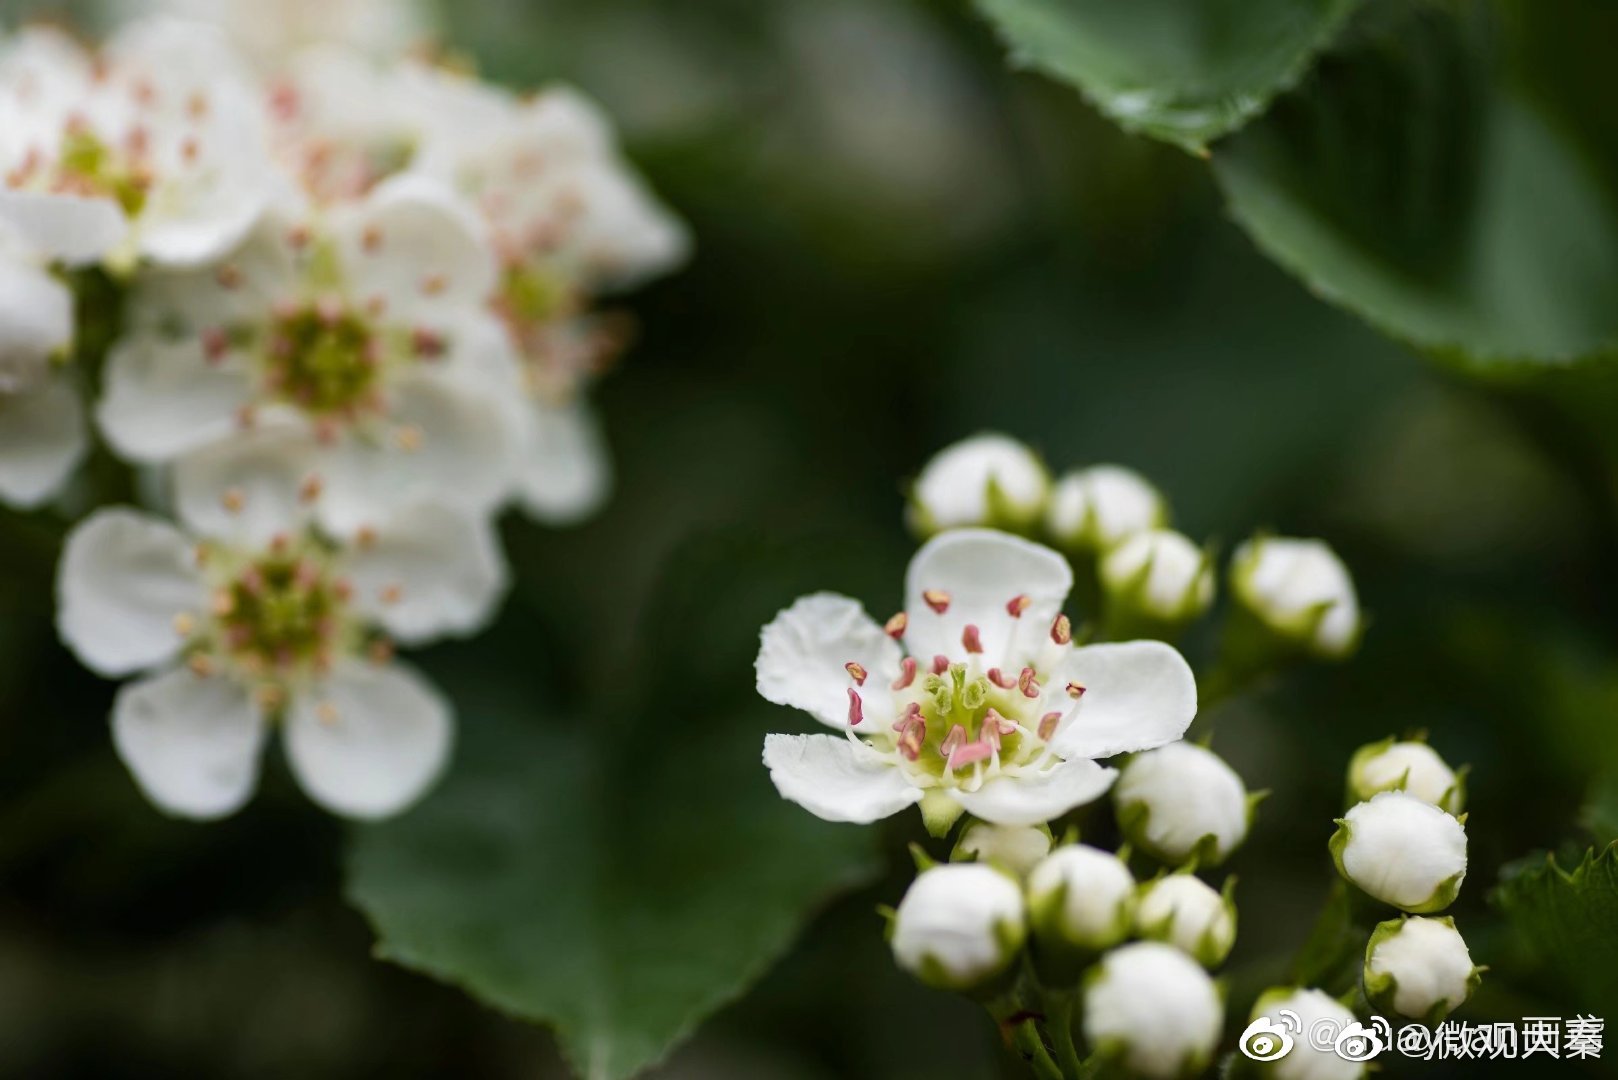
1406	765
959	926
42	426
1183	800
152	148
570	222
984	480
1152	1010
363	328
1402	851
1097	508
973	698
1301	591
1419	967
249	619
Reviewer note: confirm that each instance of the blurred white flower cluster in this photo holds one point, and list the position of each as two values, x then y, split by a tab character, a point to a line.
339	306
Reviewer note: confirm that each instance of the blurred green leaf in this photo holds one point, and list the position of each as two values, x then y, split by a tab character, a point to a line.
1412	179
1565	919
622	871
1184	71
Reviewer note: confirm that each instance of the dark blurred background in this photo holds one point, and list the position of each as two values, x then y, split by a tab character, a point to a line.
899	243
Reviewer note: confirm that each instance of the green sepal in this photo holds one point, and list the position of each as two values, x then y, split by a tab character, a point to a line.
940	813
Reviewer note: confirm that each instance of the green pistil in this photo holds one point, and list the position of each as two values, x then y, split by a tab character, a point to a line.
530	296
326	363
91	164
952	700
282	613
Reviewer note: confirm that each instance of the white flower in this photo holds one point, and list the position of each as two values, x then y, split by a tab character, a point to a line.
1158	576
959	926
1419	967
993	711
1151	1009
42	429
1301	591
364	329
1412	767
1081	897
152	148
985	480
1189	914
570	221
1183	800
1402	851
1096	508
271	33
1012	847
1304	1061
251	619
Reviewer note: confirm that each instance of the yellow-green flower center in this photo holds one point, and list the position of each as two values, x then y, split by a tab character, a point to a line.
325	359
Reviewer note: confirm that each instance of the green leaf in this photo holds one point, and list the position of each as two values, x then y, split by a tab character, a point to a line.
619	875
1426	177
1184	71
1566	921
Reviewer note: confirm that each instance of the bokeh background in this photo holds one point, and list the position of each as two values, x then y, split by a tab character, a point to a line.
900	242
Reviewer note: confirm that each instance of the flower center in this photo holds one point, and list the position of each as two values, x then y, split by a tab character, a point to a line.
324	358
87	165
561	345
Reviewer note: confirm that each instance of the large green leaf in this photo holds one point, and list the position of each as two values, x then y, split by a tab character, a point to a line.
1569	922
1185	71
1426	177
622	874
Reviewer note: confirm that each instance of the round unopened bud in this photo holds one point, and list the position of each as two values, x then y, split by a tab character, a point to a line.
1016	848
1094	509
1182	800
1081	897
1158	576
1283	1021
1402	851
959	926
1301	591
1150	1009
1186	912
1412	767
989	480
1419	967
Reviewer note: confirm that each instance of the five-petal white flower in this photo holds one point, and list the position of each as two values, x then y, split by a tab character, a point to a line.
974	698
249	624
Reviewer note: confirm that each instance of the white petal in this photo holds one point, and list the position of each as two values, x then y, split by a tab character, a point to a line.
982	571
368	741
1137	695
565	473
1036	799
461	459
245	488
833	779
193	744
415	244
42	439
36	318
803	654
73	228
261	271
430	572
123	578
163	398
206	205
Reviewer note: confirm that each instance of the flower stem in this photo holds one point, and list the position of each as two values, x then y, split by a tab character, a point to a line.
1032	1046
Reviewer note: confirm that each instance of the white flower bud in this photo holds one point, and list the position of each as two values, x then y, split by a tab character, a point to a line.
1159	576
985	480
1094	509
1402	851
1182	800
1302	1060
1149	1008
1412	767
1081	897
1419	967
1186	912
1016	848
959	926
1301	591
